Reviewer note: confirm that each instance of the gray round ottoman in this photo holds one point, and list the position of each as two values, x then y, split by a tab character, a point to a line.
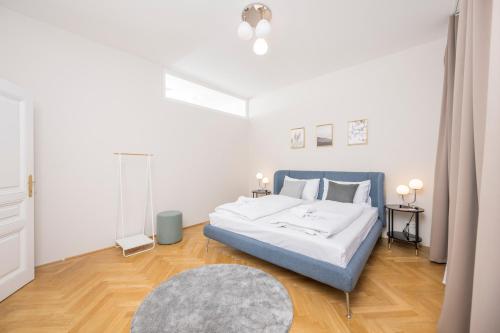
169	227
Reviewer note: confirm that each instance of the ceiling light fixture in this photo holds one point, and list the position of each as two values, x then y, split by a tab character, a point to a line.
256	17
245	31
260	46
263	28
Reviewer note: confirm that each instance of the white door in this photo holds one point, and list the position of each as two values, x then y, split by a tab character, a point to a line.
16	189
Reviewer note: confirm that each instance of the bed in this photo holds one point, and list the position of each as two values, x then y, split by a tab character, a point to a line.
335	264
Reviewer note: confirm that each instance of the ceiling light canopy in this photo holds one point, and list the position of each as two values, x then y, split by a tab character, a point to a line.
256	20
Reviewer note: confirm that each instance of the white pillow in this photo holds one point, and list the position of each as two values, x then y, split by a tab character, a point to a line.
311	188
362	193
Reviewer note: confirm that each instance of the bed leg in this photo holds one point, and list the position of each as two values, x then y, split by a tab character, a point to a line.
208	241
348	305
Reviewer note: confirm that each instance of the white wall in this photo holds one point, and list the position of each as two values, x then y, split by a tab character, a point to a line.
400	95
91	101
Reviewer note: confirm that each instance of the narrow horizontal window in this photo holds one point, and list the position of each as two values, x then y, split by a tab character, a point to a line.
189	92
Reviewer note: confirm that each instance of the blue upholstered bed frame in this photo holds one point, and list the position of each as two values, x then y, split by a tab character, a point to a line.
341	278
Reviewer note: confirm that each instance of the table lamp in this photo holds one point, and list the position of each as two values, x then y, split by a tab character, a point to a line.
259	177
265	181
403	190
414	184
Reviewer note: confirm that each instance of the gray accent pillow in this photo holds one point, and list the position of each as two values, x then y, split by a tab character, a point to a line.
293	188
341	192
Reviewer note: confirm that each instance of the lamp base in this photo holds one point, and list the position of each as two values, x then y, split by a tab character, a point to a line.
407	205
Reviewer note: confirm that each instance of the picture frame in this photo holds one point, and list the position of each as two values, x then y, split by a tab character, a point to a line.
324	135
298	138
357	132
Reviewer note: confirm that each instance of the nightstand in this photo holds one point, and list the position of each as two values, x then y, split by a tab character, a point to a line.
403	236
259	193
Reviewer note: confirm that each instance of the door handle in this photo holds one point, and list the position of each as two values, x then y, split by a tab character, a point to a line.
30	186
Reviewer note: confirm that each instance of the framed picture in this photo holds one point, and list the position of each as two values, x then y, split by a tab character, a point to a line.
324	135
297	138
357	132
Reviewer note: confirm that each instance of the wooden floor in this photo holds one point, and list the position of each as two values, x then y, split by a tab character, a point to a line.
99	292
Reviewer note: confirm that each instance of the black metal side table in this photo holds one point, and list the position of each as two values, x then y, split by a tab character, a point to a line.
258	193
403	236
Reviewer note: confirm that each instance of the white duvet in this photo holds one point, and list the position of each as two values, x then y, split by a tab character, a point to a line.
252	209
324	218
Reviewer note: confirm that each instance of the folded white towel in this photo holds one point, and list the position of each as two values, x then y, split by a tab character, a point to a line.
303	210
253	209
289	226
323	219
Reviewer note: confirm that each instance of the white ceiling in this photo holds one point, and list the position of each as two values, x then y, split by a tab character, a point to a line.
197	39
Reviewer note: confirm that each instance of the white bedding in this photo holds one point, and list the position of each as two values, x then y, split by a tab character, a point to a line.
255	208
337	249
321	218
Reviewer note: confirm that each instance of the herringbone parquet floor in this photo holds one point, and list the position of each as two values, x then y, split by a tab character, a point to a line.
99	292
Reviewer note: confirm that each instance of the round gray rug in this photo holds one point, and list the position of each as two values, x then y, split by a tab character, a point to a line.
216	298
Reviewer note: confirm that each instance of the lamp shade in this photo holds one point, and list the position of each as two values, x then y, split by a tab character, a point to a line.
402	189
416	184
245	31
259	175
263	28
260	46
265	180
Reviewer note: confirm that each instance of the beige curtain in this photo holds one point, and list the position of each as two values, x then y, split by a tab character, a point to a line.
485	315
439	233
462	219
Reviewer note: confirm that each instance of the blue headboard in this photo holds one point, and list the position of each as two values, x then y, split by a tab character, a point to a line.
376	178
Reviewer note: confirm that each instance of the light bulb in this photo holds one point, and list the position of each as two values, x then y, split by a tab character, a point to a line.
245	31
260	46
416	184
265	180
263	28
402	189
259	175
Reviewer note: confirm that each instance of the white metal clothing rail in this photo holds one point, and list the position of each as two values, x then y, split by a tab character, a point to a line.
128	243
